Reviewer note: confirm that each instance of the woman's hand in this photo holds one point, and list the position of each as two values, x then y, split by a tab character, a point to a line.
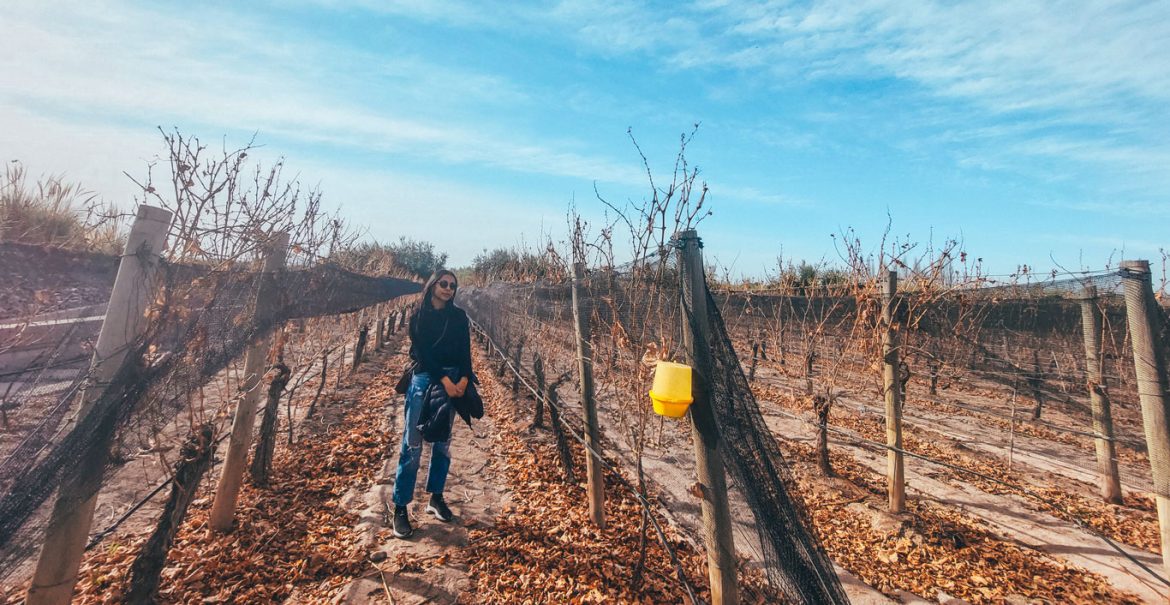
462	386
452	389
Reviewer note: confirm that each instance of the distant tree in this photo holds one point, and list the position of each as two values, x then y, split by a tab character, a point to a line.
513	264
417	257
408	257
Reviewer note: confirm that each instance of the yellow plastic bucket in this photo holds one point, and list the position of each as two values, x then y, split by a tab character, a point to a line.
671	393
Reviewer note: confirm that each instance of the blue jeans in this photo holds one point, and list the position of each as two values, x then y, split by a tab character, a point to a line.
410	454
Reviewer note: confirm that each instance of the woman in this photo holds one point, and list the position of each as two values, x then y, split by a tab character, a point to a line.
440	346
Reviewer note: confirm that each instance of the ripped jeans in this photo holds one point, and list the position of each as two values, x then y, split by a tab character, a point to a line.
410	454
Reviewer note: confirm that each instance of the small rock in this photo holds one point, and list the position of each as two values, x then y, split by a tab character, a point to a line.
880	520
946	599
378	557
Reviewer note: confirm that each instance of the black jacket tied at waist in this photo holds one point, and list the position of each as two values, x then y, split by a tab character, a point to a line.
438	410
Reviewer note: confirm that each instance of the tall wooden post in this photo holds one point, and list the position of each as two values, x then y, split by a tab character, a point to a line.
223	508
705	431
379	334
895	469
1141	314
541	389
125	323
596	483
359	348
1099	398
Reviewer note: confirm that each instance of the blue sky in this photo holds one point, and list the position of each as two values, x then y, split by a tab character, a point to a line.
1034	131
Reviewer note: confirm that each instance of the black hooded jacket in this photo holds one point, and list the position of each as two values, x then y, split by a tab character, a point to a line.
440	338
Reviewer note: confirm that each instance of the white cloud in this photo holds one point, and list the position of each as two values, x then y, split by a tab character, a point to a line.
754	195
1097	67
109	63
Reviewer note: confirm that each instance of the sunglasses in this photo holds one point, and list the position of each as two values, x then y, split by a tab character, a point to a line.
447	285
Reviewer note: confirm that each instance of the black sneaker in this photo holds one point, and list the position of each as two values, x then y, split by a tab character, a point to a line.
402	528
439	509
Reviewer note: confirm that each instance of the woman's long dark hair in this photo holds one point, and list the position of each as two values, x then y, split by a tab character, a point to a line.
424	305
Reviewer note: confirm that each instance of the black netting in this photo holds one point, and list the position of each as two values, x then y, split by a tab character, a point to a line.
1008	336
798	562
1025	338
637	319
200	320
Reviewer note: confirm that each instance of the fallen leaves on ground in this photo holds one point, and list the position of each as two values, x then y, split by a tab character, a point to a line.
934	548
1135	524
296	537
544	548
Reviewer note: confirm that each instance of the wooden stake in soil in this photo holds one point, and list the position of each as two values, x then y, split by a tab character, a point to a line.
320	385
1142	315
588	403
755	360
895	470
223	508
1036	381
1012	434
1099	398
125	322
708	461
359	349
822	405
262	458
554	407
541	389
517	355
195	459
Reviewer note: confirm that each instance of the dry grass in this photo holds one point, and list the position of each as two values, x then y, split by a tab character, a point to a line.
54	213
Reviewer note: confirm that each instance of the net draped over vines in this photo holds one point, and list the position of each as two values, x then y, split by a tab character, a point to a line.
200	320
1024	338
637	316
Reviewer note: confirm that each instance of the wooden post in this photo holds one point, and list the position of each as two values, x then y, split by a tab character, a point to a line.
125	323
1141	314
145	571
516	358
379	339
223	508
705	431
596	483
1099	398
822	404
895	470
320	385
1012	433
1036	381
755	360
359	349
265	446
554	407
541	389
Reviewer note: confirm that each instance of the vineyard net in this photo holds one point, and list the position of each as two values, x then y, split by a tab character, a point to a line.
1024	339
637	316
200	320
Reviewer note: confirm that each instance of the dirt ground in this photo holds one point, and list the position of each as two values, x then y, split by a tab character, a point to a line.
321	533
964	539
61	279
966	426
